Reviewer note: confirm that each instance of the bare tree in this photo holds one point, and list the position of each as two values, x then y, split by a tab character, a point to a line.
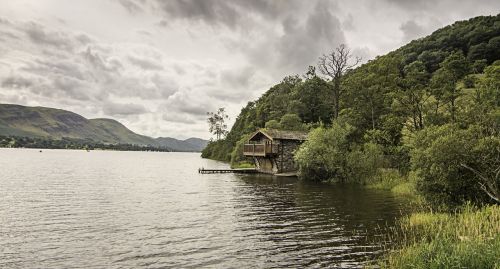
334	65
217	122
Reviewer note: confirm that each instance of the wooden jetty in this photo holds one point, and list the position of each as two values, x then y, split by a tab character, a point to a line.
220	171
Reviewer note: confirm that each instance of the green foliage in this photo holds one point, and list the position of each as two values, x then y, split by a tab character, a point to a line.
322	157
327	155
291	122
430	110
273	124
237	157
439	157
217	150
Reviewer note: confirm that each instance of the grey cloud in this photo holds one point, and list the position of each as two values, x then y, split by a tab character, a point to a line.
74	88
179	118
237	77
113	109
39	35
9	35
84	39
101	63
232	14
4	21
145	64
165	85
412	4
188	103
302	44
16	82
179	69
132	6
46	67
411	30
144	33
348	23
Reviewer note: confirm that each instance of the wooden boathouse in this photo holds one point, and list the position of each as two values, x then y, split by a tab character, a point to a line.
273	150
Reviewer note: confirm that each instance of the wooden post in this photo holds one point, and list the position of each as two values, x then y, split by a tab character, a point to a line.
281	164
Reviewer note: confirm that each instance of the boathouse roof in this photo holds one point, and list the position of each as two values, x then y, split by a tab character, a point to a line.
274	134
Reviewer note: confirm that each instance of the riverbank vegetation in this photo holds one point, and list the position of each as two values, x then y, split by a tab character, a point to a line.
423	120
468	238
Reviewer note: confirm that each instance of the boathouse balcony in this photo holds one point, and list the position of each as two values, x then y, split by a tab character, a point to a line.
264	149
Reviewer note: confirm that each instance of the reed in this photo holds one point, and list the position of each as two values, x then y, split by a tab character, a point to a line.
466	238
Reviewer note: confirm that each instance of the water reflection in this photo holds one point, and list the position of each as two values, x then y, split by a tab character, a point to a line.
316	224
138	209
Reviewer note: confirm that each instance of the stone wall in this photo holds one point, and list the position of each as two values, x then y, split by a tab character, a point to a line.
285	158
266	165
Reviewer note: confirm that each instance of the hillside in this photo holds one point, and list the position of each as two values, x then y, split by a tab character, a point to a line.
190	144
51	123
401	91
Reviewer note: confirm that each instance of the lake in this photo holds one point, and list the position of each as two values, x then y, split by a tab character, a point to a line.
110	209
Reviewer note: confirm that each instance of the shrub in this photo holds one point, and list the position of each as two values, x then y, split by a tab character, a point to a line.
328	155
237	157
442	157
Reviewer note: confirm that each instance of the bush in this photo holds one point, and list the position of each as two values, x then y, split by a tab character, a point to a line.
440	157
328	156
237	157
217	150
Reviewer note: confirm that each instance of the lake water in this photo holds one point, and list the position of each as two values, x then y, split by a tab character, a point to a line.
104	209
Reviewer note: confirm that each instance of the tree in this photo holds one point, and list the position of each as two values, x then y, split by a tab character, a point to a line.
273	124
216	122
291	122
444	81
456	165
412	93
334	66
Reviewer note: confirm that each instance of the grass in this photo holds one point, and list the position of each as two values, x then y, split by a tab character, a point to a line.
391	179
242	165
466	239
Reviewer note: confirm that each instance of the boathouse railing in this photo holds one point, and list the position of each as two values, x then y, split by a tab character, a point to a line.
260	149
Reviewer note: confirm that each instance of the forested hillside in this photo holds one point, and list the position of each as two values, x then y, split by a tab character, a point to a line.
443	86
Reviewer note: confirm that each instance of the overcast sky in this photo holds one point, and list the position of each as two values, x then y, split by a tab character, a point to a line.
159	66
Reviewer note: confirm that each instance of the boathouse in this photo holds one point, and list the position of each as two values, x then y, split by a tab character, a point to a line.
273	150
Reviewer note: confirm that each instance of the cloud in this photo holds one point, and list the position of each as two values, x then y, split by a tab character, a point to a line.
411	30
114	109
38	34
145	64
116	62
131	6
16	82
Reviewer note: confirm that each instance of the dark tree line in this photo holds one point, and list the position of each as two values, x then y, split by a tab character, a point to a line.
70	143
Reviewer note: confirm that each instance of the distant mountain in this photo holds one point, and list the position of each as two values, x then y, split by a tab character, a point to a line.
190	144
17	120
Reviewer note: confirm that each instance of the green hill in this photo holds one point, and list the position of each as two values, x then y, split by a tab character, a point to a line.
51	123
401	91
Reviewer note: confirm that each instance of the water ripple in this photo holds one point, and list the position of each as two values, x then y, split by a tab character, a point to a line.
77	209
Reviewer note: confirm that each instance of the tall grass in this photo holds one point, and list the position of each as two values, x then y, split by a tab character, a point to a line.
469	238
